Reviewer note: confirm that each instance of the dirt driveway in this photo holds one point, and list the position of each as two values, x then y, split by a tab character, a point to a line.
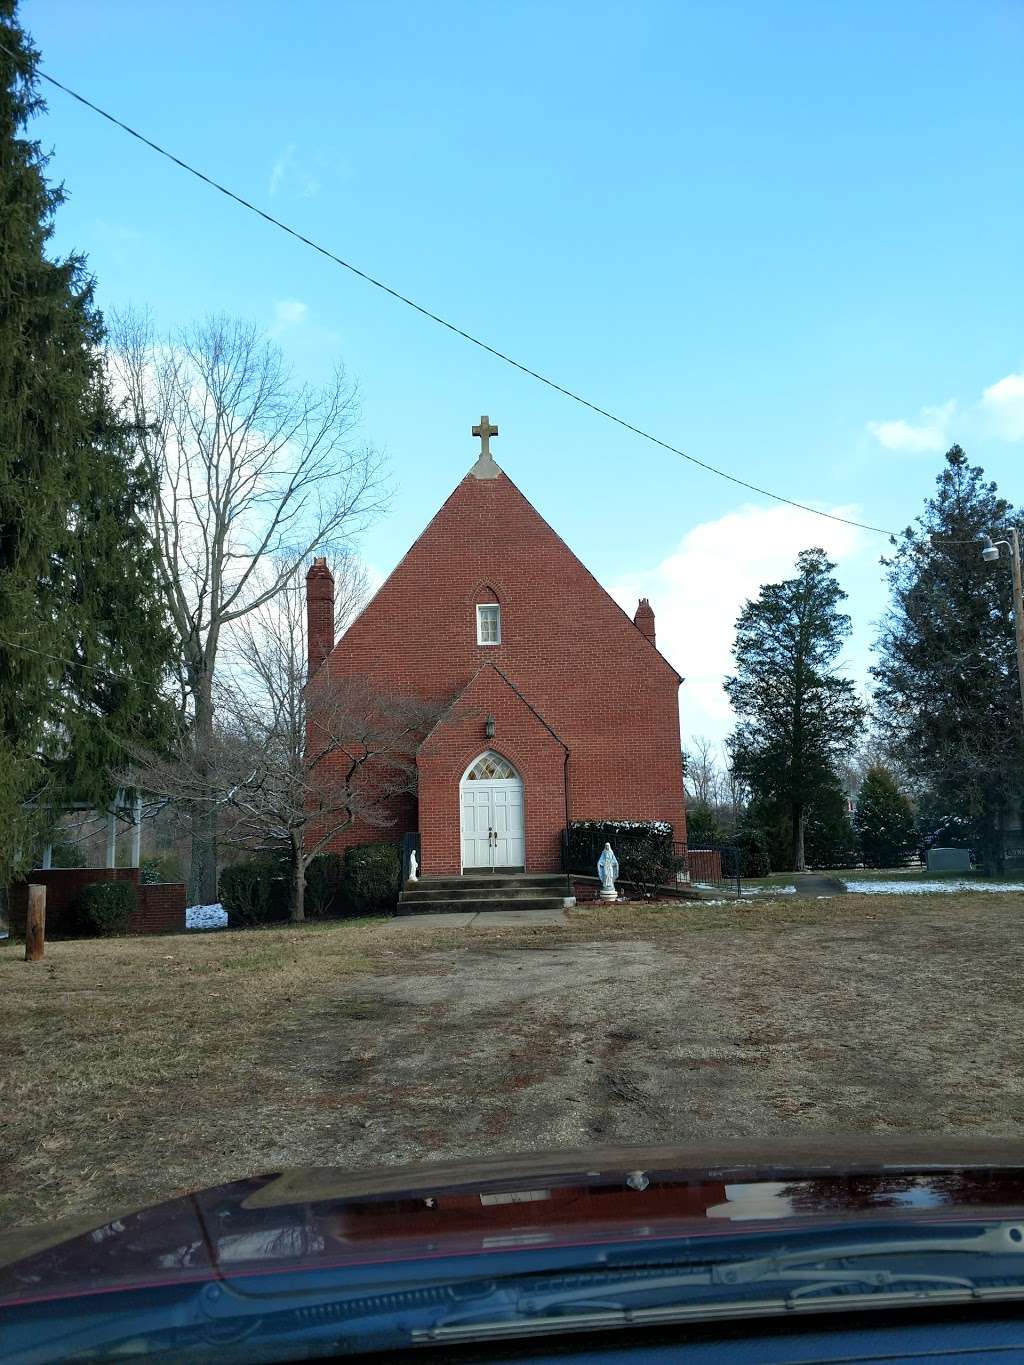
135	1068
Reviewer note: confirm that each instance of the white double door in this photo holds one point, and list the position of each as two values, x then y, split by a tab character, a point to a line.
492	823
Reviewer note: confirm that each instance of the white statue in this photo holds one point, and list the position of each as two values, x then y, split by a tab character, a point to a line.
608	870
413	865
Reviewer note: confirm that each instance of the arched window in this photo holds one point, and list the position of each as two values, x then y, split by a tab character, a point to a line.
488	623
491	768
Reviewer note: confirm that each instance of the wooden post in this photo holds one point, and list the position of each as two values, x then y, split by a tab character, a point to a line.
35	923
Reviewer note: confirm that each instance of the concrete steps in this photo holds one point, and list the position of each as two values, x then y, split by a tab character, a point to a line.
482	892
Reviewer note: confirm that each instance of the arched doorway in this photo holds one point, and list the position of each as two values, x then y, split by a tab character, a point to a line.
491	804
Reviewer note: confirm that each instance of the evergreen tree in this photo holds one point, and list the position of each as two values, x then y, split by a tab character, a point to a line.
797	716
884	820
702	827
829	837
946	674
82	641
771	821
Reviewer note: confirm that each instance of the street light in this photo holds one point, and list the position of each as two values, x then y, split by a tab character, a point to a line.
990	553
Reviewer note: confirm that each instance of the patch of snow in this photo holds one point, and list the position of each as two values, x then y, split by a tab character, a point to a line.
769	891
206	917
927	888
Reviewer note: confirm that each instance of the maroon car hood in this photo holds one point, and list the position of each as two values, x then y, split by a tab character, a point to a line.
317	1219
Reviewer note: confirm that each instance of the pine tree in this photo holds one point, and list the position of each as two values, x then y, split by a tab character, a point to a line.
82	641
884	820
797	716
702	827
946	677
830	839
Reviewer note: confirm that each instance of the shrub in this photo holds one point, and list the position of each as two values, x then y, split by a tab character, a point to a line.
372	878
325	889
753	851
647	862
104	908
643	848
254	892
159	868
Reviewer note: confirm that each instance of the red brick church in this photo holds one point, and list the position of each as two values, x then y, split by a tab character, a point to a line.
556	706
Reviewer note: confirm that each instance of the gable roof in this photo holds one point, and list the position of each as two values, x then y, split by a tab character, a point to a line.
497	485
471	687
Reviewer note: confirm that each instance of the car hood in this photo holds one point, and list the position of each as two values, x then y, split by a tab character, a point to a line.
308	1219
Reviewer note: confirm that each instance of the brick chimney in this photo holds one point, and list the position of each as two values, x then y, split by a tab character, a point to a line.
319	613
644	618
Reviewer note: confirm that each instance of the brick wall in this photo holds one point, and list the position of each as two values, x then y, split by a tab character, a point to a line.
522	738
588	889
705	865
576	657
161	908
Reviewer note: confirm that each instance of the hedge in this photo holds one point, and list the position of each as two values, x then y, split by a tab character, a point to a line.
325	890
643	849
372	878
104	909
256	892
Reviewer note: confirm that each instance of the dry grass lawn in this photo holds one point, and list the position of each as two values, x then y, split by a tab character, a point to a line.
135	1068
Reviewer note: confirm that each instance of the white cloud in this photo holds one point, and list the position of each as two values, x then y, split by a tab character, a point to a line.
931	432
1004	403
698	591
281	168
290	312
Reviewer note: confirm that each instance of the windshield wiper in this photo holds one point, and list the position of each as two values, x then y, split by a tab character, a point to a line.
999	1240
807	1276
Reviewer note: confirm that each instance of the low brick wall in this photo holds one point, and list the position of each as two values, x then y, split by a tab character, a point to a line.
705	864
161	907
588	889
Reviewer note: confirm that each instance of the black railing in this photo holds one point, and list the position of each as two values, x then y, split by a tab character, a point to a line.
712	865
667	865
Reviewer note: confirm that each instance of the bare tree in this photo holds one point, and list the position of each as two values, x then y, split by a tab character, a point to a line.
701	772
248	468
320	756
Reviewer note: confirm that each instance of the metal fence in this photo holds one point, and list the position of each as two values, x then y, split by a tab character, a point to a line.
717	866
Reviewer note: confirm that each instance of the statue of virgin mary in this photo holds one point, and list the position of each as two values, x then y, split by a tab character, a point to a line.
608	870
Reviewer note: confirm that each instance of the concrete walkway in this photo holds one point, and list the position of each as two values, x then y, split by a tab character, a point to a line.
489	919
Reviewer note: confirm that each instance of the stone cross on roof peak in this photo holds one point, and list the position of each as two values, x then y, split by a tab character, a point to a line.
485	468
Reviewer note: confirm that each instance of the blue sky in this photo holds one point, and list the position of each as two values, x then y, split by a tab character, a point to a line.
786	237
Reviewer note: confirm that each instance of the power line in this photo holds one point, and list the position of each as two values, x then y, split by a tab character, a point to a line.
72	663
444	322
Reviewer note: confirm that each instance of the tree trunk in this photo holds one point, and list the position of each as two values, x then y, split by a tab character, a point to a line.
203	816
798	837
298	887
987	850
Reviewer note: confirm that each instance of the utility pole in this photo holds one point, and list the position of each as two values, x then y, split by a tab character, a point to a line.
991	553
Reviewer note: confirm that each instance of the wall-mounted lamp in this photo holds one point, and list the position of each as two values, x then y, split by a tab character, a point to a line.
489	727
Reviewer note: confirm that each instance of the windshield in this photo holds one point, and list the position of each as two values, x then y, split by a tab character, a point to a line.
511	663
